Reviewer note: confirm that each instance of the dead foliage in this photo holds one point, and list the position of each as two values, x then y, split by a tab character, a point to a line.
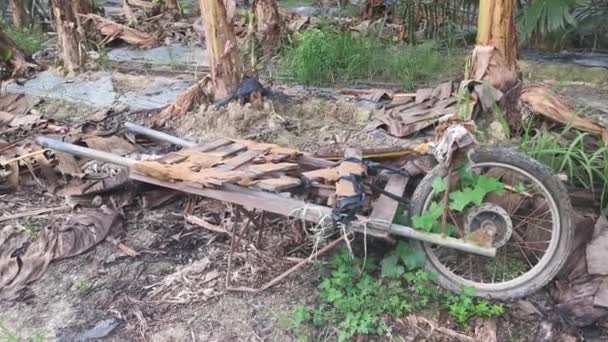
540	100
581	292
112	30
24	259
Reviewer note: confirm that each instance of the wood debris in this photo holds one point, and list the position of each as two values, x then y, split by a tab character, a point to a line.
189	99
112	30
541	100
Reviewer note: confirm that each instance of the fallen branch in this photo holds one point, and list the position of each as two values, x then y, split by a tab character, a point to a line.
33	213
296	267
204	224
25	156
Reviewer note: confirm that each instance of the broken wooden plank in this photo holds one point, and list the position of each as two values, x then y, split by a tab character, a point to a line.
277	184
385	207
263	169
238	161
326	175
345	187
213	145
227	150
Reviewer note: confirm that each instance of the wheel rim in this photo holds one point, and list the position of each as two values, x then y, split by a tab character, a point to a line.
453	264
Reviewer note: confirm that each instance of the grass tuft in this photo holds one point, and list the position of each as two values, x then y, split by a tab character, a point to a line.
29	41
580	156
325	56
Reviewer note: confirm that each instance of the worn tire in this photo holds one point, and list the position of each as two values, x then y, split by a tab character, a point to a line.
555	189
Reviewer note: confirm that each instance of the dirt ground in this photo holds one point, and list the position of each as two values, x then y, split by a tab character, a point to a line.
105	286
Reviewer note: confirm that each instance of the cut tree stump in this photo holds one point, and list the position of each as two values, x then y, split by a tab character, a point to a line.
67	26
222	47
268	23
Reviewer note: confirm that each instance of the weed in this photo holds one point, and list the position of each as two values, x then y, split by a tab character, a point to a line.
463	306
322	56
581	157
296	3
472	191
29	41
8	335
358	301
84	285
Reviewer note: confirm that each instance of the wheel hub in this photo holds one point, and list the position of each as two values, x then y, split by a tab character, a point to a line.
489	218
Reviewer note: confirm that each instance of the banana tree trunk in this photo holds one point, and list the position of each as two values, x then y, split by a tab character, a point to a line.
68	35
221	46
494	58
21	19
268	23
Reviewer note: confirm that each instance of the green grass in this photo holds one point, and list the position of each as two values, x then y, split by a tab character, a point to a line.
325	56
29	41
358	297
580	156
7	335
295	3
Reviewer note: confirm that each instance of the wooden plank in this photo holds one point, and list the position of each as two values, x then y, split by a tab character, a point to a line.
262	169
314	213
238	161
213	145
227	150
344	187
327	175
311	161
385	207
277	184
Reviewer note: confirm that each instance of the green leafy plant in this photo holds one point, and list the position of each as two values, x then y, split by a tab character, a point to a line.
84	285
472	191
29	41
358	298
544	16
463	306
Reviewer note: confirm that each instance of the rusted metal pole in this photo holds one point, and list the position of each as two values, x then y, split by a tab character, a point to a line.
158	135
84	152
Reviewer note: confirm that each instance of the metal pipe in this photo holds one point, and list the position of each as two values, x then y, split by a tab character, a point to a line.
84	152
131	127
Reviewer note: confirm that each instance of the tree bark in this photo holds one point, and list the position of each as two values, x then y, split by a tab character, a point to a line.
21	19
221	46
268	23
494	58
68	36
